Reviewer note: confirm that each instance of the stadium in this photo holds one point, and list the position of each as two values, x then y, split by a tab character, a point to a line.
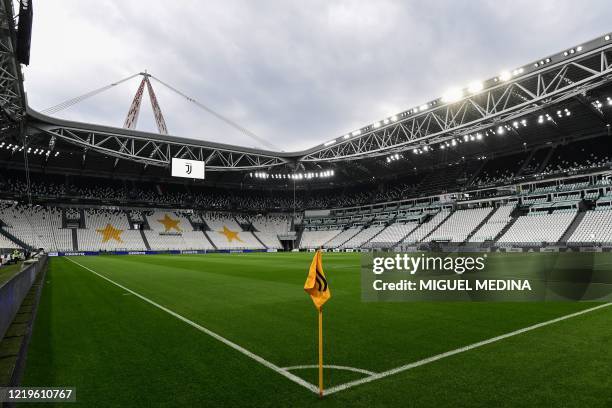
151	269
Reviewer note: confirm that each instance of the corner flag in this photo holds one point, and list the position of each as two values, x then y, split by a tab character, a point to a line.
316	283
316	286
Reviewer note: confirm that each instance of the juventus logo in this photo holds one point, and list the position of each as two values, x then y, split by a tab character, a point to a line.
321	282
188	165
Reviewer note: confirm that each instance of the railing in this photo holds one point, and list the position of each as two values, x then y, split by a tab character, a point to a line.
15	290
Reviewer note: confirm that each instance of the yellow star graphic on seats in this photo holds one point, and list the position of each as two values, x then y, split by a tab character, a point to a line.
109	232
169	223
230	235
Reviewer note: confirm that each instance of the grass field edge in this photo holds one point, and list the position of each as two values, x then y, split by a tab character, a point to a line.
460	350
209	332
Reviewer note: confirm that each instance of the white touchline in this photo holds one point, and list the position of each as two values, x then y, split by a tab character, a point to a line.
212	334
437	357
332	366
371	376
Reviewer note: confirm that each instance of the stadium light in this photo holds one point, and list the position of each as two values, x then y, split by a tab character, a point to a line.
500	130
504	76
452	95
331	142
423	107
356	133
475	86
607	38
393	118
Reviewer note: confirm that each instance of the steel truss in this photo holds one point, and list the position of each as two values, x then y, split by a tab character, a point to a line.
12	99
502	102
149	151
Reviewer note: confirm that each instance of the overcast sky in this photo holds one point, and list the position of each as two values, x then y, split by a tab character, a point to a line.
296	73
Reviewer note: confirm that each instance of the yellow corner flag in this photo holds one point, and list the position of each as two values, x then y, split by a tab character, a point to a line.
316	286
316	283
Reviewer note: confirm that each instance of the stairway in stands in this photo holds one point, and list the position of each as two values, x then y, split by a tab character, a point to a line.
13	238
479	226
75	240
144	239
260	241
438	226
513	217
572	227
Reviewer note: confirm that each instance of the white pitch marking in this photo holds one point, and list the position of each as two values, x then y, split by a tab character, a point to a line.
335	367
437	357
212	334
373	377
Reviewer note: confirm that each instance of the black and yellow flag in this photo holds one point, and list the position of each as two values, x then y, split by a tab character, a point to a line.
316	283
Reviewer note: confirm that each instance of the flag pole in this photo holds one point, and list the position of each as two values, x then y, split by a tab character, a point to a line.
321	352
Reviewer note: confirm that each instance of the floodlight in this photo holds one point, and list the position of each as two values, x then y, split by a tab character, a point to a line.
504	76
500	130
423	107
607	38
452	95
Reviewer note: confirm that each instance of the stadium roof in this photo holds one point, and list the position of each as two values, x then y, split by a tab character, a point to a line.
438	132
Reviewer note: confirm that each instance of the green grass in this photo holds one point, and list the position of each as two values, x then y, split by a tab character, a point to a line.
8	271
121	351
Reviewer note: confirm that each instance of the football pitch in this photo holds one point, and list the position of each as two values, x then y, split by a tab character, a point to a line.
239	330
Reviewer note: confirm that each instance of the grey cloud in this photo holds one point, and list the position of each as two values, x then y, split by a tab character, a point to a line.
297	73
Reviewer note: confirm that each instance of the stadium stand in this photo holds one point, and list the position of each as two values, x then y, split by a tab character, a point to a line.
342	237
268	239
596	227
459	225
37	226
108	230
538	228
392	235
312	239
6	243
495	224
363	236
426	228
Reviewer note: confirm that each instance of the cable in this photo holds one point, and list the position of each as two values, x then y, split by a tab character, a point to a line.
70	102
219	116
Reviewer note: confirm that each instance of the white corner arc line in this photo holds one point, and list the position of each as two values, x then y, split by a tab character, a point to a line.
437	357
212	334
332	366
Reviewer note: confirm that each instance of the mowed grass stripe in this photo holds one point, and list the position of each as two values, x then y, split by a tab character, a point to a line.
249	299
376	337
212	334
119	351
